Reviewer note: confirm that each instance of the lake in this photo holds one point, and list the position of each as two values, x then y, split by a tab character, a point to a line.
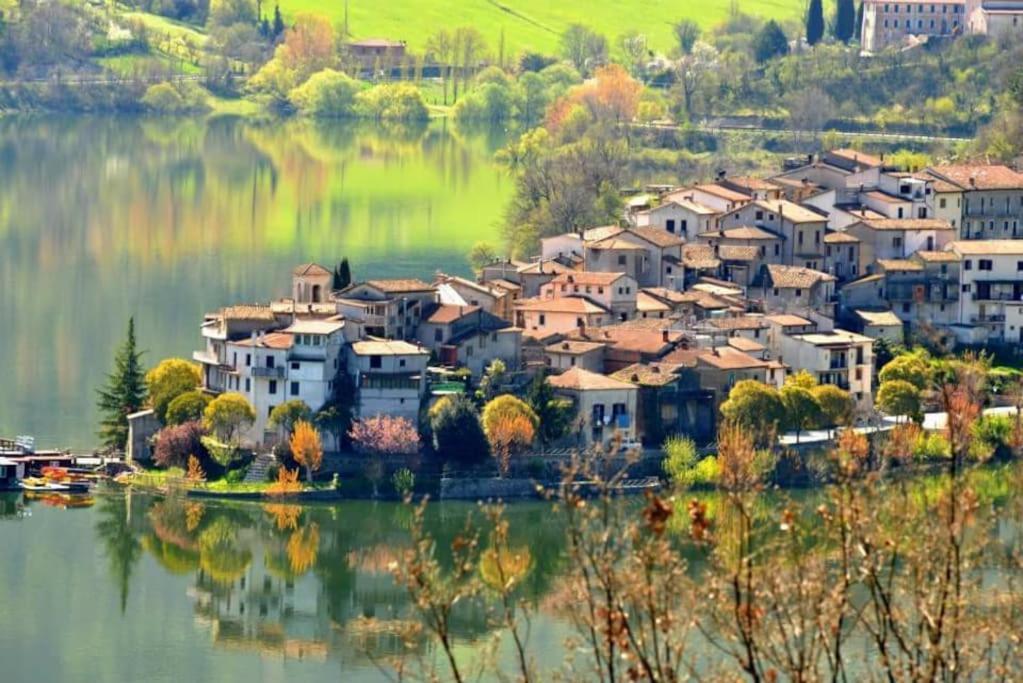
137	588
164	219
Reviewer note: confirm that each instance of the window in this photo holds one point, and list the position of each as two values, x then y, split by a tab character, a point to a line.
401	362
376	362
670	225
273	387
270	361
248	384
248	359
968	264
543	320
469	350
295	365
966	289
905	308
1019	265
760	215
294	388
985	264
799	292
800	238
621	259
269	410
817	237
777	249
234	361
438	335
896	242
776	291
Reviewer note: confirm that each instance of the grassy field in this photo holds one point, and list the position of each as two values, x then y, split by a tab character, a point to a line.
529	24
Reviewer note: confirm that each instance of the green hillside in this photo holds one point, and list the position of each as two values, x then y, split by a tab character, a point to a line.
530	24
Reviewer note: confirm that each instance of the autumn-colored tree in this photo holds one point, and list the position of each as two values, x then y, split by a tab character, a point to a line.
618	92
228	415
285	516
509	434
287	483
195	470
308	47
303	547
306	448
385	435
171	378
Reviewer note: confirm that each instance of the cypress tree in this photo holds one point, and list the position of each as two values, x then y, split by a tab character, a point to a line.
859	22
845	20
124	392
815	22
770	42
345	273
278	27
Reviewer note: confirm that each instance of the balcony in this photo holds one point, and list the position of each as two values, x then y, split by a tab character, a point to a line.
269	373
988	318
205	358
998	296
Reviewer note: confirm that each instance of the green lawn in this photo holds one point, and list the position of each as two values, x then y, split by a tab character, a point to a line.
529	24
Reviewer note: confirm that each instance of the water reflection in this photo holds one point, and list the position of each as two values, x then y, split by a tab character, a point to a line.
102	218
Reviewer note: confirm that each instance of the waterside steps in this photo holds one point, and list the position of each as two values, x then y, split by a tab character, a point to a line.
259	468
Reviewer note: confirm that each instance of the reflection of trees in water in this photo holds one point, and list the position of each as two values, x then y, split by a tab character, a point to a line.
120	541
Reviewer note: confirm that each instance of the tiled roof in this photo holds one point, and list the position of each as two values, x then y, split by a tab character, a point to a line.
684	198
899	265
587	277
614	243
631	337
907	224
746	345
980	176
400	285
937	256
578	379
657	237
788	320
722	192
310	269
699	257
731	252
835	337
259	313
563	304
840	238
879	317
648	302
751	183
387	347
270	340
881	196
574	347
856	156
544	267
747	232
739	322
795	276
649	374
506	285
727	358
603	232
791	211
447	313
312	326
984	247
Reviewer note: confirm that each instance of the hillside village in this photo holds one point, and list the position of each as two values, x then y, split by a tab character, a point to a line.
647	325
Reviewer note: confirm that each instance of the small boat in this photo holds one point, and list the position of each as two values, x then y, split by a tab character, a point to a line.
41	484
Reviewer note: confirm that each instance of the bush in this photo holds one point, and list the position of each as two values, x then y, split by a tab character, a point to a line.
680	460
236	476
403	480
327	94
392	102
175	98
173	444
930	447
457	433
188	407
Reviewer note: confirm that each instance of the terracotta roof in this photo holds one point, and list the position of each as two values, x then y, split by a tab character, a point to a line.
310	269
648	302
791	211
879	317
856	156
270	340
649	374
840	238
907	224
313	326
937	256
727	358
377	42
684	198
739	322
549	268
984	247
505	284
861	212
899	265
699	257
387	347
731	252
259	313
833	338
791	277
447	313
563	304
746	345
574	347
613	243
751	182
938	183
980	176
578	379
587	277
633	337
745	232
602	232
722	192
400	285
656	236
788	320
881	196
664	294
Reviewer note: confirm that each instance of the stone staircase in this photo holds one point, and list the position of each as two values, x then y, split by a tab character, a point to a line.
259	467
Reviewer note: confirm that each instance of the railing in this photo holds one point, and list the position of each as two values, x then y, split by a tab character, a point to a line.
998	296
994	318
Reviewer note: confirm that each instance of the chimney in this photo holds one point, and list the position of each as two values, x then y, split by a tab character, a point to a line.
973	181
664	336
656	369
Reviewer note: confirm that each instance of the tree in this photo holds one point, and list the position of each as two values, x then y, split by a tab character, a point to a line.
693	68
898	397
481	254
385	435
617	93
815	22
583	47
123	393
227	416
534	61
507	435
174	444
803	379
845	20
633	46
171	378
187	407
492	379
755	406
836	405
285	416
770	42
327	94
342	275
457	433
306	448
336	416
859	21
277	29
469	48
554	414
801	409
687	32
504	408
308	47
228	12
908	367
441	46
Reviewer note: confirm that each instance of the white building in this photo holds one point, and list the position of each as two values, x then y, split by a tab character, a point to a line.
390	377
844	359
991	291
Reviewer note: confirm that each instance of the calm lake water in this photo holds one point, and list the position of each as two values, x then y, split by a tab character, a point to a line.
137	588
164	219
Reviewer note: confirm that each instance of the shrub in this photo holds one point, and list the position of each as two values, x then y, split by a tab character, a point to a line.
385	435
327	94
931	446
404	480
236	476
306	448
457	433
174	444
680	460
188	407
392	102
175	98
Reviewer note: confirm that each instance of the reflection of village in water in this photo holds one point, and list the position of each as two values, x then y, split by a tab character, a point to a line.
307	582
